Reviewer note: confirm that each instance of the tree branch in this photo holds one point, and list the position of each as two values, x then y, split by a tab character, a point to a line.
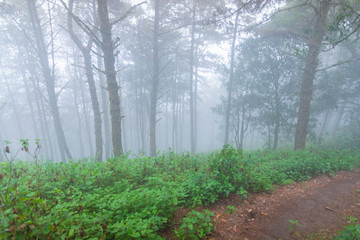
127	13
337	64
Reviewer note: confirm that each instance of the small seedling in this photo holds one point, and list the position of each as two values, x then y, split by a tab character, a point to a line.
230	209
293	225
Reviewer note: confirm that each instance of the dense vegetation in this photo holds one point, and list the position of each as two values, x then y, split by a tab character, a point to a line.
135	197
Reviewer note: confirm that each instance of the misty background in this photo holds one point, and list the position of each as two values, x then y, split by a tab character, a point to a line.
190	75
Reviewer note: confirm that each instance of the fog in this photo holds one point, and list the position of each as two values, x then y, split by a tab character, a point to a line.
95	79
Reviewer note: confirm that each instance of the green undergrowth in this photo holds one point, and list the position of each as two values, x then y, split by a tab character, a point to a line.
135	198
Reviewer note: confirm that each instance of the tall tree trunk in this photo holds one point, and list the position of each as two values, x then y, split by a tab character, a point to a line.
42	114
86	52
196	102
277	114
105	109
155	80
243	127
276	133
86	116
49	79
231	79
167	124
174	115
78	118
95	106
307	85
192	50
110	72
325	123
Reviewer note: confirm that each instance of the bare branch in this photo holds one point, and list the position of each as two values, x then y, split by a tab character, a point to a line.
337	64
83	26
57	95
98	69
127	13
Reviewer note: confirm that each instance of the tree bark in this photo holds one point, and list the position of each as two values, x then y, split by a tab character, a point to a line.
105	109
155	80
314	45
110	72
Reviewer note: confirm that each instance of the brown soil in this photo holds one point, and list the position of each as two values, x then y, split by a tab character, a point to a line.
320	206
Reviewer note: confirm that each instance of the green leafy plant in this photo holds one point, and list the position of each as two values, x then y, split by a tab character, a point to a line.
351	232
294	224
134	197
242	192
230	209
195	225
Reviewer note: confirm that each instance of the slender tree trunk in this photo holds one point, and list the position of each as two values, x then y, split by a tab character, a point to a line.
123	127
105	109
243	127
155	80
196	103
49	79
192	49
85	50
231	79
42	114
78	118
325	123
110	72
237	127
276	133
277	115
174	115
86	116
95	106
167	124
307	86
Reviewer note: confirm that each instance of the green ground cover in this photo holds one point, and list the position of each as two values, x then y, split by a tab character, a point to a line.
134	198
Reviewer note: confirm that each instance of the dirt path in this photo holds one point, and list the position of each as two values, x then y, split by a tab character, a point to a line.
319	205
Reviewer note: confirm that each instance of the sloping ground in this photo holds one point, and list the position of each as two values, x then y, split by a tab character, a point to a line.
320	205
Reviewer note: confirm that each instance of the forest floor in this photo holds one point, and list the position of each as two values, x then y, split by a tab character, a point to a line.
317	209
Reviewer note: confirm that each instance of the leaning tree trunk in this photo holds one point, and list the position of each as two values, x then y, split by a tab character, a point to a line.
49	79
307	86
155	80
109	62
86	52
